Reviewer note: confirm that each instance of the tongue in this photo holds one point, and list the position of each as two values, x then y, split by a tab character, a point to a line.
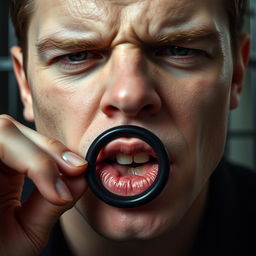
126	180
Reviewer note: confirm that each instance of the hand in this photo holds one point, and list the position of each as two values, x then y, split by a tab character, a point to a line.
57	174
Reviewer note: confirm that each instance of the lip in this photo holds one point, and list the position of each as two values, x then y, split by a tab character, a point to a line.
116	178
126	184
128	146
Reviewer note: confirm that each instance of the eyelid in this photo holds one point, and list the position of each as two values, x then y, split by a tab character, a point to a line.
53	54
77	67
195	59
168	47
69	54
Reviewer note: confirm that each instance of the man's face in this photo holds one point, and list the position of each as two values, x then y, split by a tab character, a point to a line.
164	65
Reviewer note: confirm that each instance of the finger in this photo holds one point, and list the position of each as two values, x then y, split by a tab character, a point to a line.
69	162
37	216
20	154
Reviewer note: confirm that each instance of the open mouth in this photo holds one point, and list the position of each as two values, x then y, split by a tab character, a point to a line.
127	166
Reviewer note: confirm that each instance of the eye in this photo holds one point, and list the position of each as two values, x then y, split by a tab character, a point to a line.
77	56
177	51
181	57
77	62
181	51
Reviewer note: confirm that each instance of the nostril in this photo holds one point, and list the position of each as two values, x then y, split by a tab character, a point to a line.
130	101
131	111
150	108
110	110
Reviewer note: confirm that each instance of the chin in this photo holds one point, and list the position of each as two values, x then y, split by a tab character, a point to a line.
130	229
142	223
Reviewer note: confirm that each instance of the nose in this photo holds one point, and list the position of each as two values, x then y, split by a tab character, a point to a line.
130	90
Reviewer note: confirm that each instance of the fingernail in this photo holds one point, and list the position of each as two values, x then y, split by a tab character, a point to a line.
73	159
63	190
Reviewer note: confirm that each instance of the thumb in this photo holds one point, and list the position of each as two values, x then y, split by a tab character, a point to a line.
37	216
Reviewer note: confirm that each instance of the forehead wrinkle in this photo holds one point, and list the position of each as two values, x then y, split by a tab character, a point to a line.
114	13
174	23
172	14
80	10
182	15
119	19
76	18
120	3
154	15
93	10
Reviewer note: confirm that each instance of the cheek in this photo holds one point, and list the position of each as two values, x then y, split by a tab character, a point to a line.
212	104
209	111
47	114
203	104
64	110
198	105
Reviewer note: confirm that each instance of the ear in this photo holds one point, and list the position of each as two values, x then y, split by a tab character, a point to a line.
25	92
239	70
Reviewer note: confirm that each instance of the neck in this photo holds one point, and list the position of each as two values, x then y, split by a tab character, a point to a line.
177	241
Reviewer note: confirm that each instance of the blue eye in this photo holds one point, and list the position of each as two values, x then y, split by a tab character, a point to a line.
177	51
78	61
181	57
181	51
77	56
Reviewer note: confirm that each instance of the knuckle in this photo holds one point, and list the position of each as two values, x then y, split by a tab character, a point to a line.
6	124
43	162
51	142
41	165
6	127
4	116
47	162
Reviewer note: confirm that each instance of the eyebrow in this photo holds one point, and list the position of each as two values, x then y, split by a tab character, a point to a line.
53	42
67	44
191	35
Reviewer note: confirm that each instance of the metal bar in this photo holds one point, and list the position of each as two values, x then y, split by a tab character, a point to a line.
5	64
242	133
252	71
252	63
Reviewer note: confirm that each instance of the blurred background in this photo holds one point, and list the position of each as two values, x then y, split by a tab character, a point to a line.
241	144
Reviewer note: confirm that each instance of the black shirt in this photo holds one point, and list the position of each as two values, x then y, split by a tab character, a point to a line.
229	224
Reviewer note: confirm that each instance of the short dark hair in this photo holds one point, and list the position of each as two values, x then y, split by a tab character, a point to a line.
22	10
236	10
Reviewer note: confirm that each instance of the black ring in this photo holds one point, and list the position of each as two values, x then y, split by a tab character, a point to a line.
127	201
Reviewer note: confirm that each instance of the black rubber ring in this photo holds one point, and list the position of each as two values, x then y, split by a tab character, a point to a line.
127	201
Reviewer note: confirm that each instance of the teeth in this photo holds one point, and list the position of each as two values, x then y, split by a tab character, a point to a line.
124	159
141	158
129	159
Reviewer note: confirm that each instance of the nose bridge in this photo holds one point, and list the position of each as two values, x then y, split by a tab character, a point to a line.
131	87
128	65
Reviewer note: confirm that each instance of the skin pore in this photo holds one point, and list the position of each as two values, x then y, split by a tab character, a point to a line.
164	65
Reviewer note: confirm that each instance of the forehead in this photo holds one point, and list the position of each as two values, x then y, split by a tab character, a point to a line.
133	16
